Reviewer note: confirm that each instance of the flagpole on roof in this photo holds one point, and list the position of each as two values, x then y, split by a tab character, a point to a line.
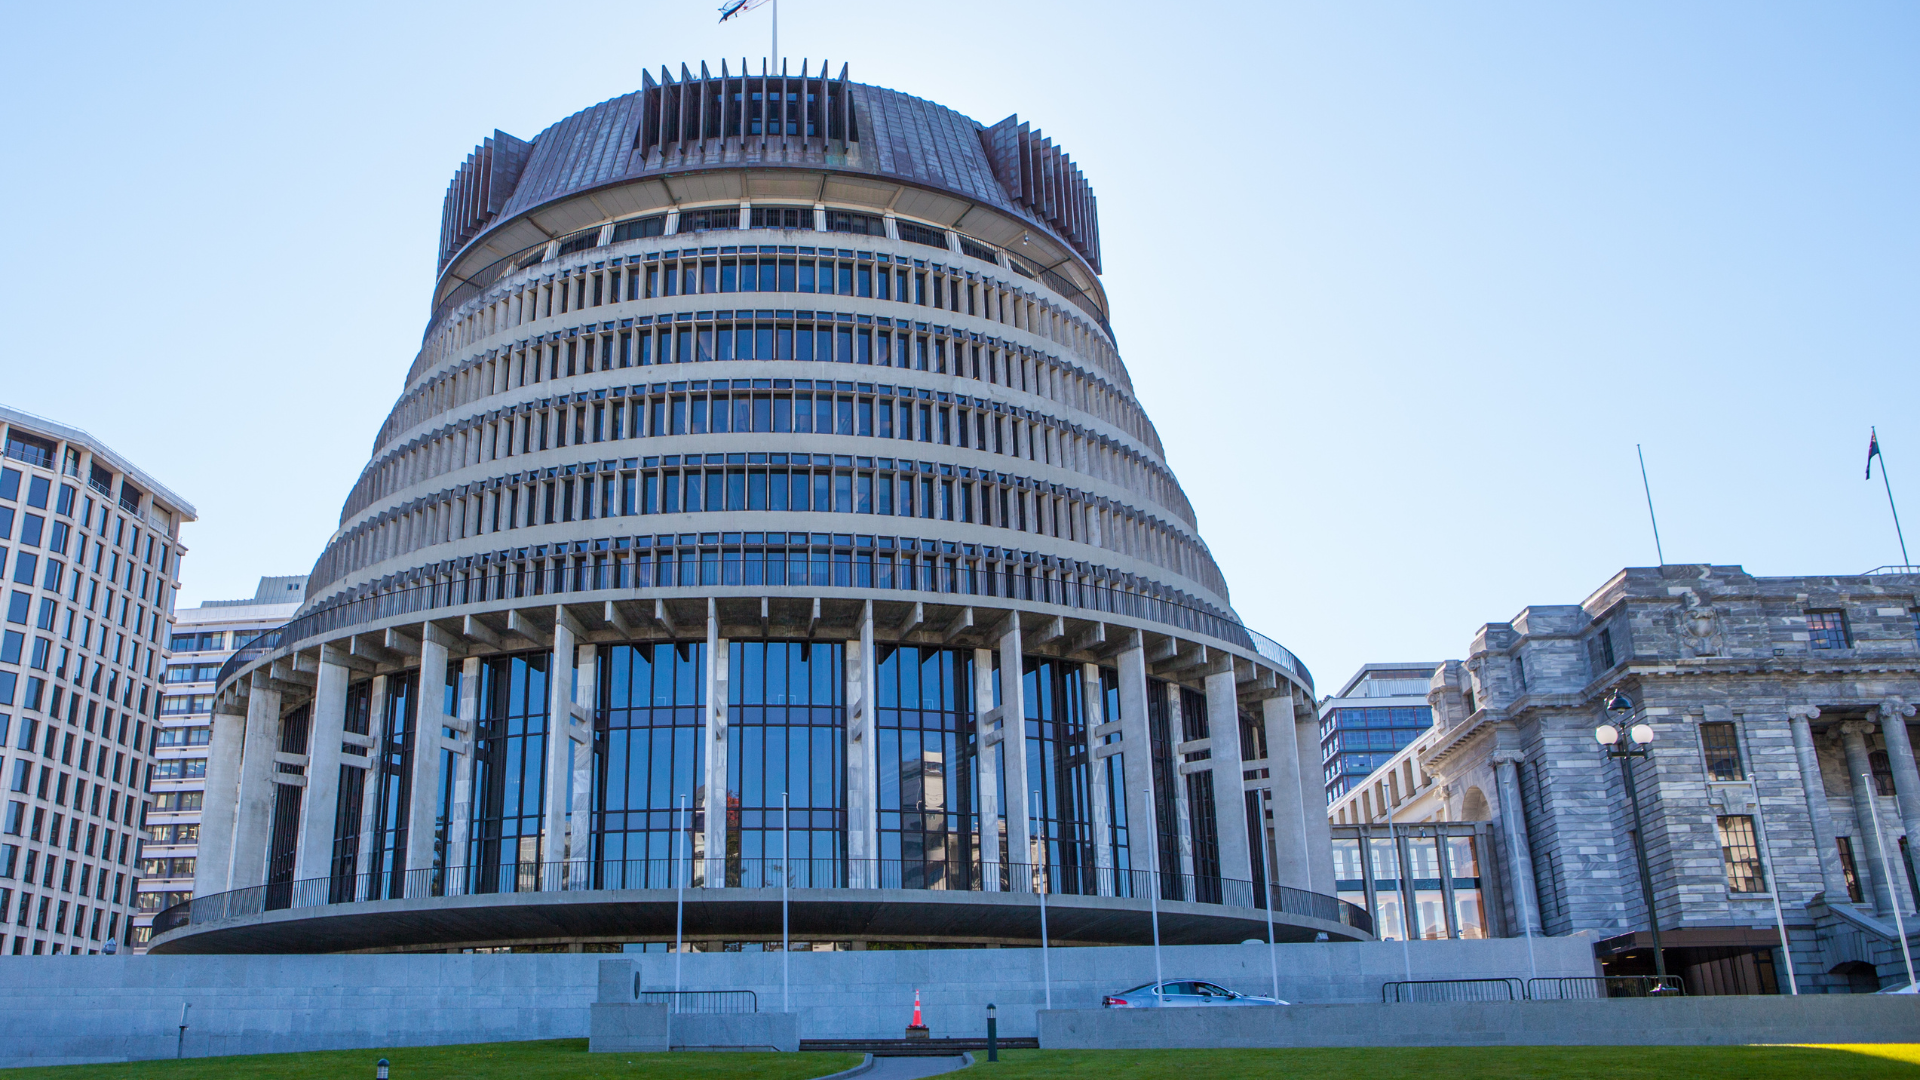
1873	451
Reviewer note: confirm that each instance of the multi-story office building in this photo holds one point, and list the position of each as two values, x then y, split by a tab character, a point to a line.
1780	772
1379	711
204	638
90	548
768	503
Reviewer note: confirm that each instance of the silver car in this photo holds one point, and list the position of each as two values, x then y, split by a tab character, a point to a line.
1177	993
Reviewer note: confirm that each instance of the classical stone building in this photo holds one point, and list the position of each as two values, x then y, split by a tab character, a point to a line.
1781	709
768	504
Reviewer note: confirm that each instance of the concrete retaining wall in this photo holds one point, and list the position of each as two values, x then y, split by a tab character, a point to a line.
116	1008
1699	1021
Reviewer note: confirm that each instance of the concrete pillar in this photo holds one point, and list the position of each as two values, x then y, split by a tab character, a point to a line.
1137	762
717	736
1512	832
429	719
1866	805
253	818
370	791
318	811
986	739
1906	780
220	803
1229	778
1290	807
863	794
1182	811
559	763
1102	823
1319	831
1819	813
459	829
580	809
1013	727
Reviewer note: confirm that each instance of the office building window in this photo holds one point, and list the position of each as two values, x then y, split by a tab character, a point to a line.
1721	743
1741	852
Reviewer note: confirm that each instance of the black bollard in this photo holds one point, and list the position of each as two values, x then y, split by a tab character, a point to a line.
993	1036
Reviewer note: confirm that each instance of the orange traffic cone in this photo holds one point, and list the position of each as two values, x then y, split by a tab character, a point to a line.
917	1029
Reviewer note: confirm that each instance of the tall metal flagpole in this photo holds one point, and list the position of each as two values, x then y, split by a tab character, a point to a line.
1873	451
1899	923
1648	488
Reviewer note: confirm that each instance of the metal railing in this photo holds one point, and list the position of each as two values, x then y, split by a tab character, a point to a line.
1453	990
257	647
755	873
1593	987
703	1001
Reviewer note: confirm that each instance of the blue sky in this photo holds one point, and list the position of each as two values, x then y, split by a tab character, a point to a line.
1402	284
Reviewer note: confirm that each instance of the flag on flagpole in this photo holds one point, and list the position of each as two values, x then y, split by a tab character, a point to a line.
1873	450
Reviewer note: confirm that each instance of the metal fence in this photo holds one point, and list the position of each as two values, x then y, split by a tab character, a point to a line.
1593	987
756	873
703	1001
1453	990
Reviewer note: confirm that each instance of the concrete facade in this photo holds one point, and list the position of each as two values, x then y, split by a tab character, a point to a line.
119	1008
1780	704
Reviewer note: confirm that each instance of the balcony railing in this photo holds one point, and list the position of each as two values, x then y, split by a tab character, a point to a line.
756	873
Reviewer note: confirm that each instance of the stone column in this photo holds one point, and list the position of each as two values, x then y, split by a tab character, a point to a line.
314	857
1313	801
220	804
863	788
253	820
1013	728
429	720
1866	850
1229	777
370	791
1137	761
1512	830
1819	813
559	763
580	812
1290	807
1097	793
1182	812
1906	780
718	740
460	828
987	740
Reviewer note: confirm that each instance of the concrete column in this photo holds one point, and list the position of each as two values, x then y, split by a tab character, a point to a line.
983	720
863	794
1866	805
1511	830
253	820
559	763
715	841
1137	763
580	809
1013	727
1906	780
460	828
1229	778
370	791
220	804
314	856
429	719
1290	807
1182	811
1319	831
1819	813
1097	777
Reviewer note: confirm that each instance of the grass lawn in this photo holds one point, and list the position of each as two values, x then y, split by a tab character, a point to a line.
1463	1063
561	1059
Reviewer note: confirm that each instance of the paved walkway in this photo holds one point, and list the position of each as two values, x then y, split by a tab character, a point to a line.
911	1068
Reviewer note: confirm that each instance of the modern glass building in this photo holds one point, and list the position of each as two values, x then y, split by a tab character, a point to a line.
768	505
203	639
1376	714
90	548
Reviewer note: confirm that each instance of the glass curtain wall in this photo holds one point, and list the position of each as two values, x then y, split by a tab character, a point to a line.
1116	776
929	777
787	721
509	777
650	750
1206	829
352	799
1166	812
449	763
285	834
1058	769
1442	887
396	749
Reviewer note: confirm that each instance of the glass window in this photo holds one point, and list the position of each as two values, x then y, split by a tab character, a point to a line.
1741	852
1721	743
787	739
1429	899
1387	921
1469	907
1828	630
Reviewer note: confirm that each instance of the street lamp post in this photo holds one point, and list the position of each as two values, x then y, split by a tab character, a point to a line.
1619	709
